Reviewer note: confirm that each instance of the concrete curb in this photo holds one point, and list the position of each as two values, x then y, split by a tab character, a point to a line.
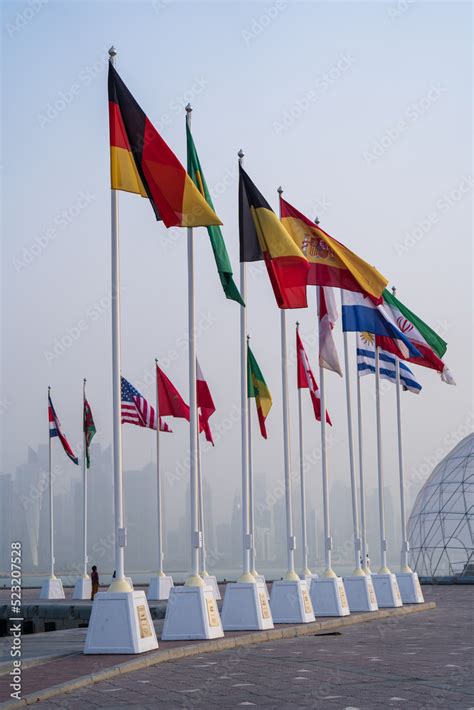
155	657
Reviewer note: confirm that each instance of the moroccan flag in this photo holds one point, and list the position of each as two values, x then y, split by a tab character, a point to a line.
215	234
257	387
306	379
328	357
170	402
89	430
430	345
262	236
55	430
331	263
205	403
141	162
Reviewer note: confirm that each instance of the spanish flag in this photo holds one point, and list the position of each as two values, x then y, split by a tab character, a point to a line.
141	162
257	388
262	236
331	263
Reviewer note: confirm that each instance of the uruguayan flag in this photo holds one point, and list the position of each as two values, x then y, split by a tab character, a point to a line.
366	364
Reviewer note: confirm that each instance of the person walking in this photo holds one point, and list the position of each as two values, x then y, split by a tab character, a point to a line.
95	581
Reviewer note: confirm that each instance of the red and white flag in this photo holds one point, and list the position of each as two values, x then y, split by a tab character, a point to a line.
205	403
306	379
328	315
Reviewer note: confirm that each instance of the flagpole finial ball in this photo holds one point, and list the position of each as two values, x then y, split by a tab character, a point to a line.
394	290
241	154
189	108
280	190
316	220
112	51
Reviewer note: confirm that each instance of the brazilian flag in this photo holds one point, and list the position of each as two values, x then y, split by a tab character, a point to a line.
217	240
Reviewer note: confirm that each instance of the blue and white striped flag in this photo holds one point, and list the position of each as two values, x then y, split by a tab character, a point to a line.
366	364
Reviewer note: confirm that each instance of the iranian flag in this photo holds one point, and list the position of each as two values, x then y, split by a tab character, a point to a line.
430	345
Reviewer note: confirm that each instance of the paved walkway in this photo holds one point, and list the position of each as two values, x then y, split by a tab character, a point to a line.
417	661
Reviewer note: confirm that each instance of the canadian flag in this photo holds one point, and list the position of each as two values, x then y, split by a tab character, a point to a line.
328	315
306	379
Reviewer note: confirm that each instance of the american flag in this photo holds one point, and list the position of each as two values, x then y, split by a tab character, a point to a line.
136	410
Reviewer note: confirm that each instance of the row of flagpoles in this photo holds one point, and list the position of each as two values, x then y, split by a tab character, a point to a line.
297	253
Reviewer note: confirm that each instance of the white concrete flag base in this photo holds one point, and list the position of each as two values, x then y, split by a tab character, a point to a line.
82	588
159	587
386	590
328	597
52	588
211	581
308	578
290	602
246	607
191	613
410	589
261	580
120	622
360	593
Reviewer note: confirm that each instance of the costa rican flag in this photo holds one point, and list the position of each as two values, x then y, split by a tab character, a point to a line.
136	410
55	430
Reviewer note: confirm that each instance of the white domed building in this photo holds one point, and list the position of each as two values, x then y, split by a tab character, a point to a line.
441	525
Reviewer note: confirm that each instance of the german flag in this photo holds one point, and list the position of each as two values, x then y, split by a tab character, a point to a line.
141	162
331	263
257	388
262	236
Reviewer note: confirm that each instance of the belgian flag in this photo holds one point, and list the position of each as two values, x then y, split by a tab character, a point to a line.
141	162
257	388
262	236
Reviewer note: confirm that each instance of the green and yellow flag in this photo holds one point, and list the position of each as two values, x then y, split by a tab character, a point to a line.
215	234
257	387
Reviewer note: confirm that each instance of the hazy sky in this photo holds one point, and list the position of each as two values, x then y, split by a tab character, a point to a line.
361	111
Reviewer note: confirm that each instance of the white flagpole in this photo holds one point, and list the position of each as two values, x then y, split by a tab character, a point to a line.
119	584
203	563
355	513
251	489
291	574
363	524
51	512
84	472
291	540
158	481
404	566
328	572
383	541
194	579
247	543
304	542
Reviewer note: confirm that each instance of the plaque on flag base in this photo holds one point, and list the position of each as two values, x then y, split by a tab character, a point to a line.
82	588
246	607
328	597
290	602
191	613
159	587
410	588
52	588
211	581
120	623
261	580
386	590
360	593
